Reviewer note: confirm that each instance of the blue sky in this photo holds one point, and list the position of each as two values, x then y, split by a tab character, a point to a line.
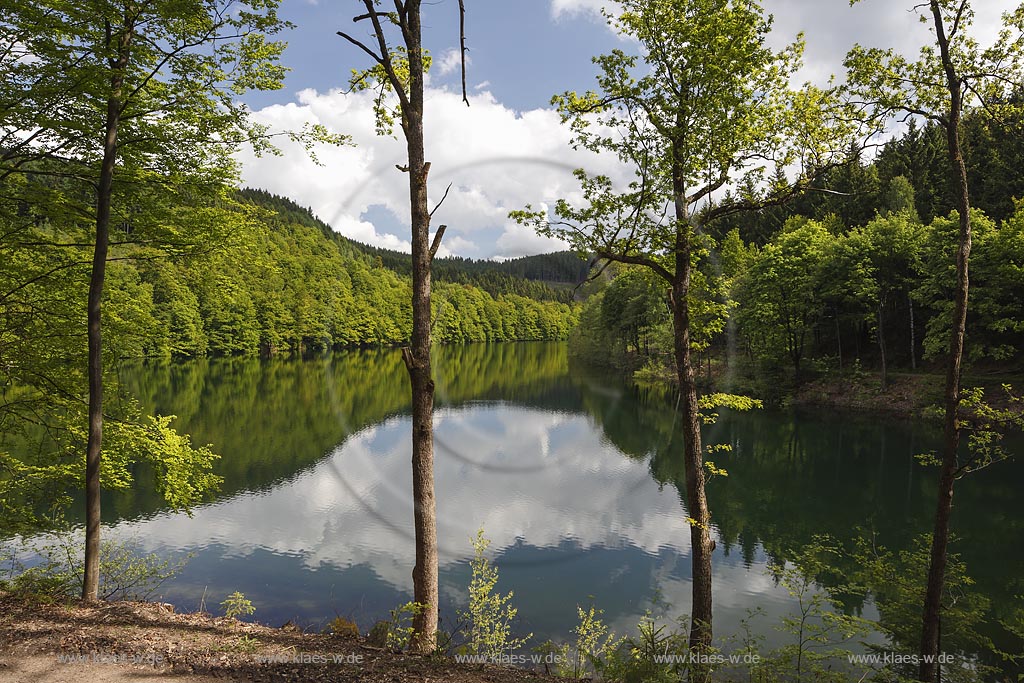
516	45
508	149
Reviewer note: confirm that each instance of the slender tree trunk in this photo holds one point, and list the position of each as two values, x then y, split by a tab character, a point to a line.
693	465
932	617
913	334
93	456
417	358
693	457
881	342
839	339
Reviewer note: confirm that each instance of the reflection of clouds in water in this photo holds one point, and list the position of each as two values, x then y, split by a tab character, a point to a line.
738	590
543	480
519	473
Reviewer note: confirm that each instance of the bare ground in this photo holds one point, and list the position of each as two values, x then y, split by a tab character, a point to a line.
125	642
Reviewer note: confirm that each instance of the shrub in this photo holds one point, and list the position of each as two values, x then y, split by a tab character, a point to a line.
237	605
490	614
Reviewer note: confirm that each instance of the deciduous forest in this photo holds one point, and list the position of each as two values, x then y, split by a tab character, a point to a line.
741	332
859	277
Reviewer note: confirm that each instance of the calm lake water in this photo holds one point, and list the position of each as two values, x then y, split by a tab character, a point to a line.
575	477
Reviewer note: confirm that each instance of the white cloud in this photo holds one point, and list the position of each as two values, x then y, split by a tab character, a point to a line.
518	239
455	246
832	28
22	54
496	159
560	8
499	159
529	466
450	61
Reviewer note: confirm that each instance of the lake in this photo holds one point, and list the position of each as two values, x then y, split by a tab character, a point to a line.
574	475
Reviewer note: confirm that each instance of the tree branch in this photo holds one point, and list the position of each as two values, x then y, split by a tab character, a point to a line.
463	48
636	260
436	244
448	189
362	47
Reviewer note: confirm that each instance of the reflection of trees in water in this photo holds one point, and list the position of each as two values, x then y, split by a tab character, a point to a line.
273	418
790	476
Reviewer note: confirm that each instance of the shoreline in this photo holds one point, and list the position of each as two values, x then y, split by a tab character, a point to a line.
114	642
909	395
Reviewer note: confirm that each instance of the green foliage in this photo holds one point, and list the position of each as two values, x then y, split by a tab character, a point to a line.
1014	624
400	630
589	340
291	288
594	645
878	269
997	268
936	288
376	78
899	198
730	401
780	302
344	627
882	286
658	653
689	121
490	614
237	605
544	277
634	305
892	83
164	79
49	567
627	321
246	643
819	632
897	583
277	284
44	461
985	425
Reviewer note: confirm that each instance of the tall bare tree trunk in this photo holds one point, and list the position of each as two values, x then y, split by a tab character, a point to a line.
93	456
932	616
417	358
409	89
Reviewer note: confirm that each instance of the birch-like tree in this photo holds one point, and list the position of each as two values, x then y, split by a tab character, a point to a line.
951	75
134	106
705	106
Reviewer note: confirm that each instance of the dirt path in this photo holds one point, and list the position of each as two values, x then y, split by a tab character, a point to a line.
47	669
140	642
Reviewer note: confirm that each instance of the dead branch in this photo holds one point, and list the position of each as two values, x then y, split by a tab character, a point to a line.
447	190
463	48
436	244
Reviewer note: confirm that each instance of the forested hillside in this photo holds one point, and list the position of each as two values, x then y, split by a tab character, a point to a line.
282	282
852	194
546	277
862	274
